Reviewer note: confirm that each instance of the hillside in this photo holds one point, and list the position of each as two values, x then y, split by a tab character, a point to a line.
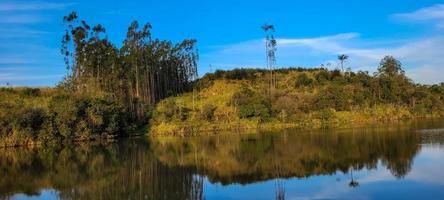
308	98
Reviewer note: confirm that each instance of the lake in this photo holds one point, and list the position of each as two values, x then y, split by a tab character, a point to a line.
392	161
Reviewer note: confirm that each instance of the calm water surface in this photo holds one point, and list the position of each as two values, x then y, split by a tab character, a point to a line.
402	161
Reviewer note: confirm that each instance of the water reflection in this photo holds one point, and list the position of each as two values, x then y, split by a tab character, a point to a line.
250	158
124	170
191	168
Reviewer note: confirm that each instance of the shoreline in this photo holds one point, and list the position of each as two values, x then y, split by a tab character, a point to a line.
221	128
196	130
107	139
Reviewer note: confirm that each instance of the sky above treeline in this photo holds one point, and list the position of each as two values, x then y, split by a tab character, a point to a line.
310	33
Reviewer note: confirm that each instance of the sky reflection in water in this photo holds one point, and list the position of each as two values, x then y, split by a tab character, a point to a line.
390	162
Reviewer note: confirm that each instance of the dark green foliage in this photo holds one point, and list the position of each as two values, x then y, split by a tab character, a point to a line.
332	96
251	104
28	121
173	111
31	92
325	114
66	117
335	74
303	81
170	109
322	76
389	66
238	74
287	104
207	112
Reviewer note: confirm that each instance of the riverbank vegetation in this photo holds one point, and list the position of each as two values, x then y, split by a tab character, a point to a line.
306	98
109	89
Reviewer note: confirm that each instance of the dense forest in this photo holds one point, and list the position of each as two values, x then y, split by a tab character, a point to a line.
306	98
108	91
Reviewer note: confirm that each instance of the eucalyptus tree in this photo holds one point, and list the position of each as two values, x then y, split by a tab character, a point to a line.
342	58
139	74
270	52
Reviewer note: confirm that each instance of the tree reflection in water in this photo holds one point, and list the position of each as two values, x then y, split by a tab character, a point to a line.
177	168
353	182
124	170
250	158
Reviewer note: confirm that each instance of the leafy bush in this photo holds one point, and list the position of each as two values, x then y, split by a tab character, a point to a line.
333	97
322	76
325	114
207	112
30	92
171	110
303	81
285	104
251	104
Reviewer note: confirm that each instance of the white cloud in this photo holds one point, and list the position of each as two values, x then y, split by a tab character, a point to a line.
315	42
21	33
14	59
423	58
21	77
25	12
16	6
434	13
21	19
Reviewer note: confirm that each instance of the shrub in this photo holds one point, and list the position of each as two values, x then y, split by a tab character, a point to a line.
169	109
332	97
207	112
66	111
325	114
251	104
322	76
30	92
285	103
303	81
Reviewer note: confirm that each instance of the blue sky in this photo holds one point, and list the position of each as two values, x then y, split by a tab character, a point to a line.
310	33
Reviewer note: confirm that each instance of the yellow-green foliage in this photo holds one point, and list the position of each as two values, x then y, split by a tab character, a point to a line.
167	115
307	98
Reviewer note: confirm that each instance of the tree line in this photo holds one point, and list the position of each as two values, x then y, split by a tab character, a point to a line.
108	91
308	98
138	74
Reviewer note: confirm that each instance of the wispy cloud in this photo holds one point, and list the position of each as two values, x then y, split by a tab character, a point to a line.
21	18
21	6
27	12
14	59
20	77
316	41
433	13
21	32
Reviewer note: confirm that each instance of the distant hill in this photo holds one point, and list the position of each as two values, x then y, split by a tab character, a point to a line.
309	98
